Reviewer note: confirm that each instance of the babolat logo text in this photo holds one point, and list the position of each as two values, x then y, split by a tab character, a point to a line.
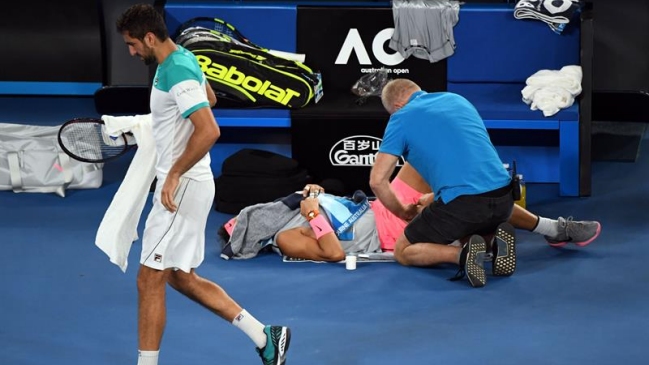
356	151
244	83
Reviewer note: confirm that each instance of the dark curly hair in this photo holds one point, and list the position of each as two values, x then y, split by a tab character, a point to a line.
140	19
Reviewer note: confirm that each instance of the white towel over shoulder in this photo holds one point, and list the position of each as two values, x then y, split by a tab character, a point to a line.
553	90
118	228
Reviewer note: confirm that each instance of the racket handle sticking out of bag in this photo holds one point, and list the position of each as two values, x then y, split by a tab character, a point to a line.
228	29
85	140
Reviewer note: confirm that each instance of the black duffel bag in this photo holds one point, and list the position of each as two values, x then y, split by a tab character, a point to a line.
252	176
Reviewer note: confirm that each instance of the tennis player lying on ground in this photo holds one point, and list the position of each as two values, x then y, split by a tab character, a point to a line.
310	235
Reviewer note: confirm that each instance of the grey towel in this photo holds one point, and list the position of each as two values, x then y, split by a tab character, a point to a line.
258	223
424	28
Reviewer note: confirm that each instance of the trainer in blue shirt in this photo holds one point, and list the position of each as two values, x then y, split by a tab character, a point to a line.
444	138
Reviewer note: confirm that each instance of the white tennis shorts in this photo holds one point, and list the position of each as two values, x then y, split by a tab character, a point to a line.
177	240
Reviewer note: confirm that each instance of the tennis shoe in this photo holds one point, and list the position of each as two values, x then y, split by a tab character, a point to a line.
277	340
504	250
472	259
581	233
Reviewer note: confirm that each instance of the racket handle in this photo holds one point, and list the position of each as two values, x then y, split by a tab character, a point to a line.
298	57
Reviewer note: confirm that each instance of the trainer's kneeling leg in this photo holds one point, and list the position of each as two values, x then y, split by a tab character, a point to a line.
424	254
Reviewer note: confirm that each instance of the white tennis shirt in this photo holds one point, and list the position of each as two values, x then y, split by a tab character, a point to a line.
178	91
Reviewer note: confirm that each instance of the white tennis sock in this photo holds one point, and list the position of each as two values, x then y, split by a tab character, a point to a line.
251	327
147	357
547	227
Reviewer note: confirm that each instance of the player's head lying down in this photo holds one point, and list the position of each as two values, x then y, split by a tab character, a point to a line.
315	228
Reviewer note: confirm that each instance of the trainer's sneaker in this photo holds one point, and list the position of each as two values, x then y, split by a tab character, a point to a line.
472	262
277	340
580	233
504	250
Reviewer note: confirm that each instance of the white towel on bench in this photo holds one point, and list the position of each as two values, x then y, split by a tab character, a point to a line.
552	90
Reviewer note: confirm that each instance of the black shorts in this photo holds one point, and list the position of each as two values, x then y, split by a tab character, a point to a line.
463	216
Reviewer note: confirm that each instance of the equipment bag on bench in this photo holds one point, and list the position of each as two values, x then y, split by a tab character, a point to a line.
252	176
246	75
32	161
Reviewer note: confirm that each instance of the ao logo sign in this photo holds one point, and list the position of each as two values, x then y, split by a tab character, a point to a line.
358	150
354	43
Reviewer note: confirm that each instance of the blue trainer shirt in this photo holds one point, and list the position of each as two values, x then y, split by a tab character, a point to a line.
444	138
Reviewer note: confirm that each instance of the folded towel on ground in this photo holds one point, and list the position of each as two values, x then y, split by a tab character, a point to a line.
360	258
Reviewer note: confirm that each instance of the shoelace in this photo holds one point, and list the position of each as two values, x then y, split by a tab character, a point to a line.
564	225
459	275
565	221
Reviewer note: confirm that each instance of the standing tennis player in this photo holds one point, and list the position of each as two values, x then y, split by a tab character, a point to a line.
174	237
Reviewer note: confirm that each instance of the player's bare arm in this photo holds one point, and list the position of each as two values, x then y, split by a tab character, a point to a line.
206	132
380	184
211	97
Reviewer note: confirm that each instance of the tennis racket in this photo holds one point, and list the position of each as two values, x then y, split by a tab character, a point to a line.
85	140
193	35
228	29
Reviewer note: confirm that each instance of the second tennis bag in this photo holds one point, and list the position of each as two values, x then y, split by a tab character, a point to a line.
32	161
250	77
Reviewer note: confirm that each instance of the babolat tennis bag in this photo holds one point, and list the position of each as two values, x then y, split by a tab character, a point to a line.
252	176
247	75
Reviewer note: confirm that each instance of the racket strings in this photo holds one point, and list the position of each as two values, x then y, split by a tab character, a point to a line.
222	28
88	141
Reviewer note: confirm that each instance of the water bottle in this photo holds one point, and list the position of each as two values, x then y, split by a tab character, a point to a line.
522	201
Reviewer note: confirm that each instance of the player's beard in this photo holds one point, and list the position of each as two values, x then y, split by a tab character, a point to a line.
148	57
149	60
